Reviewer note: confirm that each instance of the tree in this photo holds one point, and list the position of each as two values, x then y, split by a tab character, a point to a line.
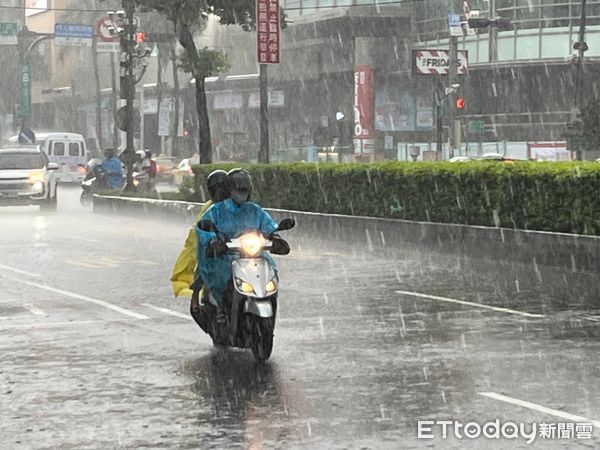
186	16
584	132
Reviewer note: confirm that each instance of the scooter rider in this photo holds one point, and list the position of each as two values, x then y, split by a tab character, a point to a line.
183	276
232	217
113	169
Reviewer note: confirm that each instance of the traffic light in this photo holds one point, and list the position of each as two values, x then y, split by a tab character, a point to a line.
460	103
140	37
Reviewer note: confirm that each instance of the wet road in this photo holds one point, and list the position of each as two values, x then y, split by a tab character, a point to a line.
97	354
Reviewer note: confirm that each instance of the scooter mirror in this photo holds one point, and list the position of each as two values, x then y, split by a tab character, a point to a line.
286	224
207	225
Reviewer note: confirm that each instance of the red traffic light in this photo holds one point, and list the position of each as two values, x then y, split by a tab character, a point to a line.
140	37
460	103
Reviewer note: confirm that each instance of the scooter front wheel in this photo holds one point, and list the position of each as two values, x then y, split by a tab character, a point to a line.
262	338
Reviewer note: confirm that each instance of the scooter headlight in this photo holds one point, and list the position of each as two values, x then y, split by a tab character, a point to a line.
244	287
252	244
272	286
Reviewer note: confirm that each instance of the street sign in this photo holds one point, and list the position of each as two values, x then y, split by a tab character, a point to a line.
476	126
455	25
435	62
268	31
73	35
107	42
26	136
8	33
121	119
25	104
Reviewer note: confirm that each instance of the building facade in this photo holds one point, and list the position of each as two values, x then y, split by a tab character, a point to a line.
519	88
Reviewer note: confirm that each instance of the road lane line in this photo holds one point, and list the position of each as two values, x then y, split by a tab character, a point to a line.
540	408
167	311
19	271
463	302
81	297
33	310
593	319
25	326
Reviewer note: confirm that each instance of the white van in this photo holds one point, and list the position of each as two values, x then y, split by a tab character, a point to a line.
69	151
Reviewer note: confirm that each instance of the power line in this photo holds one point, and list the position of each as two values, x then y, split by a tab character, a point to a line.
374	4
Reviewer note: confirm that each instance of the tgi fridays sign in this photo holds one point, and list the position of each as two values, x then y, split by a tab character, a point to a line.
268	31
436	62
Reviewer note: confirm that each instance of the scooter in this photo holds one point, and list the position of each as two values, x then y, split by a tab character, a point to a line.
250	299
93	182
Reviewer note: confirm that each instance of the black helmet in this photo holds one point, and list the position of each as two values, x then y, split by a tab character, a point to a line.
217	185
240	185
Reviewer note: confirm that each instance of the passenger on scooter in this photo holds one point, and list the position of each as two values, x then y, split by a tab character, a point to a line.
231	218
184	271
113	169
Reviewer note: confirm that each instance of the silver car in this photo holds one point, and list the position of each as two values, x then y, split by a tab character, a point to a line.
27	177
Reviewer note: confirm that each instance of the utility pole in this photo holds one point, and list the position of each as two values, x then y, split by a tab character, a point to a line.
129	83
493	34
452	61
263	154
582	47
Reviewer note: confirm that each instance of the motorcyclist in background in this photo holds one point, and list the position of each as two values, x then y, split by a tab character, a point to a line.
113	169
184	271
232	217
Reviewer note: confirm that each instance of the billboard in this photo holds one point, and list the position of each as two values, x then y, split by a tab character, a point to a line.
33	7
435	62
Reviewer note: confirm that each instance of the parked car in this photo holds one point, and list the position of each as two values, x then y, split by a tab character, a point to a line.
165	168
27	177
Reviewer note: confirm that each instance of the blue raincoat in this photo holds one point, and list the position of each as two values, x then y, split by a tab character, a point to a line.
114	172
231	220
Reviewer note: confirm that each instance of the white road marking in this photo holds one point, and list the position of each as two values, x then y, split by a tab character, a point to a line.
540	408
26	326
477	305
81	297
168	311
33	310
22	272
593	319
14	317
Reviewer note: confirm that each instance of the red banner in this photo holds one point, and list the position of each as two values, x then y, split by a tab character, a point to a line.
364	102
268	31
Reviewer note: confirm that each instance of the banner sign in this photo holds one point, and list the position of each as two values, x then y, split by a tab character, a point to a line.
268	31
364	105
435	62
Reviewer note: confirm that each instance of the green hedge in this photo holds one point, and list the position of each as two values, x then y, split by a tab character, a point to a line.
550	196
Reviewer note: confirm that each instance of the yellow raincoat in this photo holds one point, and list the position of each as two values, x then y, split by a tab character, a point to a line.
185	265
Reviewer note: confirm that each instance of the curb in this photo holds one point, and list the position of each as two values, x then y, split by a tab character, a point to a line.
568	251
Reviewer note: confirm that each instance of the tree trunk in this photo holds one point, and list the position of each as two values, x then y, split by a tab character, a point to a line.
186	39
175	133
203	123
